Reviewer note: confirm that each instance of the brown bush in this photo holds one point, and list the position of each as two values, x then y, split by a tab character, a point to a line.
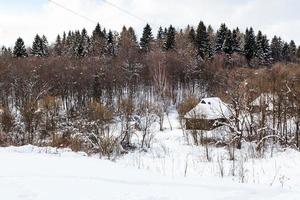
186	105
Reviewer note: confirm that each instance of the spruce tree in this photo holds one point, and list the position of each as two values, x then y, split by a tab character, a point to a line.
146	38
58	48
160	34
249	46
298	52
276	49
19	49
160	38
84	43
170	38
263	52
228	43
236	41
37	47
201	40
110	43
286	53
220	38
293	50
98	41
192	36
45	46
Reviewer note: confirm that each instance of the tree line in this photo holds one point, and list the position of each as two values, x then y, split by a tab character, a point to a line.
205	43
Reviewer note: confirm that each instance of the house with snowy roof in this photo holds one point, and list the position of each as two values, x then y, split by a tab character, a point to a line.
264	101
209	114
269	102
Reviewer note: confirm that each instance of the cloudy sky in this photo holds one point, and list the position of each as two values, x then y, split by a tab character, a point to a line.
25	18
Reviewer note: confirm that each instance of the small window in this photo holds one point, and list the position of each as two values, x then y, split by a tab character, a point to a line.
209	103
203	102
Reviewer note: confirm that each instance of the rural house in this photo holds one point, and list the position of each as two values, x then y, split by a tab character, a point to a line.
207	115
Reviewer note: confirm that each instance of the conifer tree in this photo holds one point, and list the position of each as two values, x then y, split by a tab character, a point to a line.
263	52
146	38
293	50
220	37
249	46
298	52
276	49
45	46
19	49
236	41
192	36
64	44
286	53
37	47
160	37
110	43
58	46
170	38
160	33
228	43
201	40
84	43
98	41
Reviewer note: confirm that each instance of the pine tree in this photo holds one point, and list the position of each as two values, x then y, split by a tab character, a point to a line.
132	35
220	38
211	41
293	50
236	41
228	43
286	53
77	46
110	43
192	36
64	48
58	47
160	34
170	38
45	46
263	52
37	47
19	49
98	41
146	38
249	46
298	52
160	38
276	49
84	43
201	40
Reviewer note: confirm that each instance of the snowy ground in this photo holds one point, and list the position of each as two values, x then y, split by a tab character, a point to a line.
32	174
171	169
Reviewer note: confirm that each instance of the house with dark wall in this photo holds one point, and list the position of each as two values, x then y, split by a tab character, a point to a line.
208	114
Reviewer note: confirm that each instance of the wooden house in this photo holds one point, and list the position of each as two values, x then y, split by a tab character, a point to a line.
209	114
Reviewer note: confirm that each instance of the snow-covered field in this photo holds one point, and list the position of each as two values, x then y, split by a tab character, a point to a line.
170	169
27	173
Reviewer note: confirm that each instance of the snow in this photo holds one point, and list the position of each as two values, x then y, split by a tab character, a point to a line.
171	169
209	108
26	173
266	99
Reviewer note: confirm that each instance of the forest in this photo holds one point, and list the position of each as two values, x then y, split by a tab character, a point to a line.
93	92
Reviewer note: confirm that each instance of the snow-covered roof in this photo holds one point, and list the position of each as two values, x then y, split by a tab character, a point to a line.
265	99
209	108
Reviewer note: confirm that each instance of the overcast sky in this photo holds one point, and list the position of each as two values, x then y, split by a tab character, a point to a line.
25	18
